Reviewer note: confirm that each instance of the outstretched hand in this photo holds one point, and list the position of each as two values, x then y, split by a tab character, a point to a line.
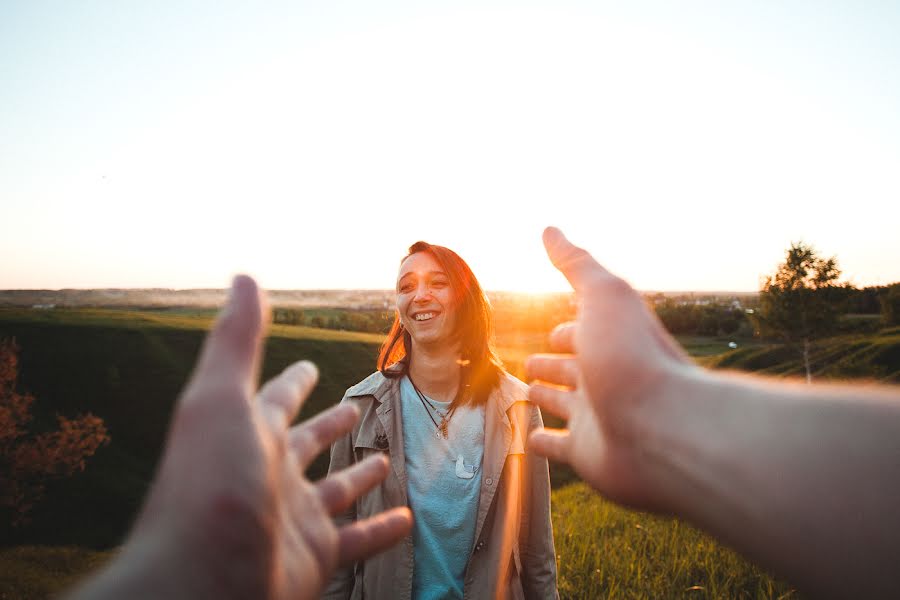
231	513
612	362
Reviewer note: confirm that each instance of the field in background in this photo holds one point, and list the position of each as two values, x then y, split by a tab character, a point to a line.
127	367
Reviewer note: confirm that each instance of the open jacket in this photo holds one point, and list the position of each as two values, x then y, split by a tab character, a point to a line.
512	555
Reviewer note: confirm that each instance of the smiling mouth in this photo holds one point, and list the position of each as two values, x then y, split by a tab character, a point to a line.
425	316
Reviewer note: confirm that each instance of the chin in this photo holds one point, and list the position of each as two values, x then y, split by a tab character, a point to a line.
430	338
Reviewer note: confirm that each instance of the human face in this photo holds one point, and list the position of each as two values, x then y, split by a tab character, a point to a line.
425	300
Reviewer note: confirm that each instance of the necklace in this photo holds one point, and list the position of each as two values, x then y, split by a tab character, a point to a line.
444	426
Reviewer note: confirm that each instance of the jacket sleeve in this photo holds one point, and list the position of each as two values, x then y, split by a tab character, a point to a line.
537	549
342	456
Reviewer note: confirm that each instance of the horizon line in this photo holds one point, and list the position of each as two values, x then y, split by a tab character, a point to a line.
362	290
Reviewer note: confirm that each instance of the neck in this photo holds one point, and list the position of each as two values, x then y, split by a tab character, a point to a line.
436	371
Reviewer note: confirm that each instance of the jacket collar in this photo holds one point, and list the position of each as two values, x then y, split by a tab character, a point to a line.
378	385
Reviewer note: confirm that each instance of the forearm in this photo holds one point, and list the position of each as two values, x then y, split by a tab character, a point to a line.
140	570
763	465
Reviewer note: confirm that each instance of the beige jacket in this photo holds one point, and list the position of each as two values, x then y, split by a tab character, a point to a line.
513	554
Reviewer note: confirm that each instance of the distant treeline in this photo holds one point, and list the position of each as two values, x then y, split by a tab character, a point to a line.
720	316
347	319
685	318
512	312
685	314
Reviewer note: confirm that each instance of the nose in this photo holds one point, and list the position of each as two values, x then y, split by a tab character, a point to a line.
423	294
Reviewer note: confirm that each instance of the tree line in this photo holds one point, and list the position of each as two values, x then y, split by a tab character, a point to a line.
685	314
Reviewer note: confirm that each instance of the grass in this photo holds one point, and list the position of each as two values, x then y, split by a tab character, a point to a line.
127	368
38	572
605	551
194	320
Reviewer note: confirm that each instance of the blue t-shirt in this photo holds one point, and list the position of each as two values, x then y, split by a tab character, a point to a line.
444	478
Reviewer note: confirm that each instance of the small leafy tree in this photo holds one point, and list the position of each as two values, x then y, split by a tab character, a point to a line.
799	302
890	305
28	461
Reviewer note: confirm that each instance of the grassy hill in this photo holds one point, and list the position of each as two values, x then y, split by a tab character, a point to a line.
128	366
873	356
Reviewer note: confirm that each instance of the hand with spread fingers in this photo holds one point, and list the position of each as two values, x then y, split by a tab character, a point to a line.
231	514
803	479
613	360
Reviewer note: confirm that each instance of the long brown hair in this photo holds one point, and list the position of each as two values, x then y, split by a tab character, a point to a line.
474	328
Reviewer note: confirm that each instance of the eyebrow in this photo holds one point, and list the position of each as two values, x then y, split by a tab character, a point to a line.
410	273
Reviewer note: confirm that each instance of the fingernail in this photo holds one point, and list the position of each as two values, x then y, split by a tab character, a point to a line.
551	233
230	299
310	367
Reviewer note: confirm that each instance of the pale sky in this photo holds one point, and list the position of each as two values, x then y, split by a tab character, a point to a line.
310	143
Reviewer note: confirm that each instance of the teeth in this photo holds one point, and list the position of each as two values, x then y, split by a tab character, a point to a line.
424	316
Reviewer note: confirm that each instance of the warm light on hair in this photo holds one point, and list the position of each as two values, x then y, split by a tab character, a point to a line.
479	364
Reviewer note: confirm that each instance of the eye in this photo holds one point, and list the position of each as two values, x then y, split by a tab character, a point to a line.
439	283
405	288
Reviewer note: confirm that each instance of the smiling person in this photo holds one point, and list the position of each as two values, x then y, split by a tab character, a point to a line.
455	427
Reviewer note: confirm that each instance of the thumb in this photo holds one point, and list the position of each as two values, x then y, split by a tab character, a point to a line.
578	266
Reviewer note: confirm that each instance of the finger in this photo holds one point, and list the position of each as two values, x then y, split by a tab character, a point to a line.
370	536
230	354
552	399
559	369
555	444
340	490
311	437
562	338
578	266
281	398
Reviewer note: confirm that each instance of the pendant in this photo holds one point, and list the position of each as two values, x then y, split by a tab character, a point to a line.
461	471
444	428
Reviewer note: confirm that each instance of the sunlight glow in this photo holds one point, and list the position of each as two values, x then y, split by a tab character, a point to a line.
312	150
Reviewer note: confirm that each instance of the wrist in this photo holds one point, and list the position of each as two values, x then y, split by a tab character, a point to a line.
664	429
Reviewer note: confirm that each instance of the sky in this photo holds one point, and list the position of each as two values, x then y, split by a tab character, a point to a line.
686	145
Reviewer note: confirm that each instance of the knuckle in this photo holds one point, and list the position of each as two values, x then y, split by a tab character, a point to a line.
300	440
572	256
536	391
343	491
614	286
570	371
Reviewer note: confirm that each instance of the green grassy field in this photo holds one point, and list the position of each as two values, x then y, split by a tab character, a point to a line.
604	551
128	366
872	356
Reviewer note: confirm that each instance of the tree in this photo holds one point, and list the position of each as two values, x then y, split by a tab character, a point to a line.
29	460
799	303
890	305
